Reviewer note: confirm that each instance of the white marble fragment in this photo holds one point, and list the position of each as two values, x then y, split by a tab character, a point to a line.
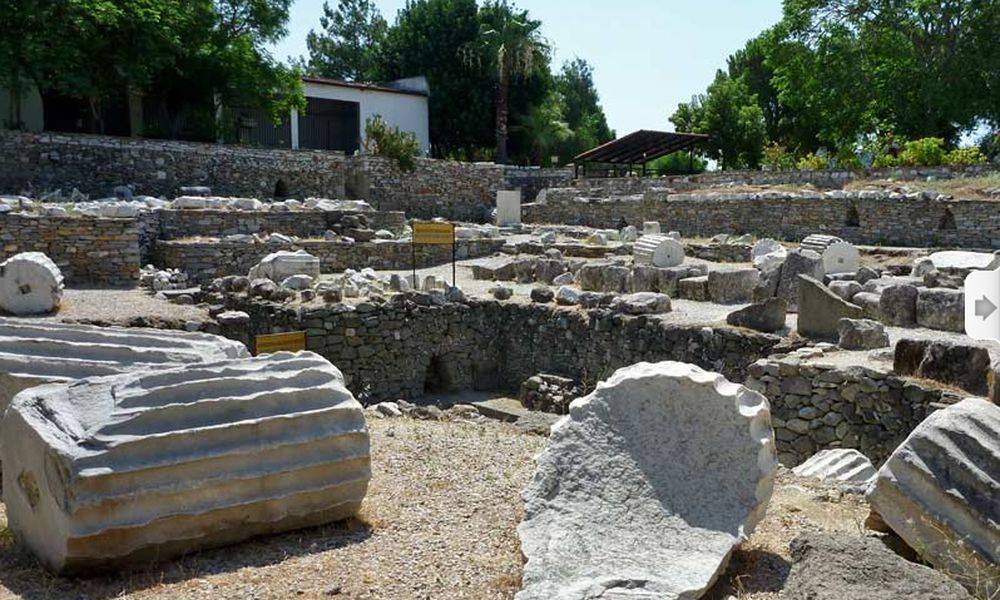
647	486
117	470
30	284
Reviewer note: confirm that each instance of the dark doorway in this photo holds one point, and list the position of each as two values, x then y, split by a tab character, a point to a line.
437	379
331	125
853	219
281	189
947	220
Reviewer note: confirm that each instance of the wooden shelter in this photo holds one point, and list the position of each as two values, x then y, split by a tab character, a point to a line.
621	156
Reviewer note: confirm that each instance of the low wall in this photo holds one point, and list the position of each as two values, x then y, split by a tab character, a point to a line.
96	164
823	179
88	251
531	180
859	217
177	224
435	188
402	351
815	407
204	260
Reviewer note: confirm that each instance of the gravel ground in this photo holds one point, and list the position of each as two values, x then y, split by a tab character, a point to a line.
439	521
120	306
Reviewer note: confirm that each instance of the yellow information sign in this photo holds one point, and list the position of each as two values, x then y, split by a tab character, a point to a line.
441	234
293	341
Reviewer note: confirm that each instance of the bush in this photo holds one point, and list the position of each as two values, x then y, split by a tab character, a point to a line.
777	158
812	162
925	152
965	156
885	161
390	142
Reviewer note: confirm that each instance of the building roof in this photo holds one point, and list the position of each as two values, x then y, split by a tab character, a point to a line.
640	147
372	87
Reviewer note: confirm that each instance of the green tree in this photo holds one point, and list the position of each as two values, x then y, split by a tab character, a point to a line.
348	44
512	43
729	113
545	128
427	38
583	113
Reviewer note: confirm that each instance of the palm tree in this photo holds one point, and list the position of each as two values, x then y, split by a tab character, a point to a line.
512	42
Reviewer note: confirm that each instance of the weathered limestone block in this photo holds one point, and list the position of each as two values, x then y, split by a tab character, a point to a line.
828	566
845	289
732	287
647	486
819	242
939	489
820	310
278	266
768	255
30	284
799	262
642	303
128	468
37	352
861	334
941	308
693	288
898	305
870	304
658	250
956	261
965	366
591	276
616	279
844	466
767	316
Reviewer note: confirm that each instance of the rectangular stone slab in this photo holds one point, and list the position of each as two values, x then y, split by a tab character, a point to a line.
120	470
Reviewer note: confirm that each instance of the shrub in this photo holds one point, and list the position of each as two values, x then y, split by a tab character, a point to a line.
925	152
812	162
965	156
677	163
390	142
884	161
777	158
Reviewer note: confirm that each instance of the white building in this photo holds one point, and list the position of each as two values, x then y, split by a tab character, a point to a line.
338	110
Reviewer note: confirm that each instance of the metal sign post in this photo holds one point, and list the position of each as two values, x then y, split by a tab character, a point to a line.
434	234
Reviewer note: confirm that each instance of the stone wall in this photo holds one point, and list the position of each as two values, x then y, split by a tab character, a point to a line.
531	180
402	350
177	224
454	190
815	407
204	260
96	164
859	217
824	179
87	250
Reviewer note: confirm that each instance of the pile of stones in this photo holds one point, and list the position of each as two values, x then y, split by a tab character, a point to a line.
549	393
163	279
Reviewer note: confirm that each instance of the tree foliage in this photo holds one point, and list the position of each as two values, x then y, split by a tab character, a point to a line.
836	74
102	49
348	44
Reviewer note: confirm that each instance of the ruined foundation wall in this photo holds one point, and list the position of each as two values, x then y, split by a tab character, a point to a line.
861	218
177	224
387	352
204	260
815	407
95	164
90	251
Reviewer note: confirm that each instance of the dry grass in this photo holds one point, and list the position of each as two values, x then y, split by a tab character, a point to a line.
758	568
438	522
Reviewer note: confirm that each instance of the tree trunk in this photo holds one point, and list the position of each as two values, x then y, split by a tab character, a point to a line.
503	90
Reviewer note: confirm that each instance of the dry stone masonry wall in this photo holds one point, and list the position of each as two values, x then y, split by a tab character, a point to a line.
858	217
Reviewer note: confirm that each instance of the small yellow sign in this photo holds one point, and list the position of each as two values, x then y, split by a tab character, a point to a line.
442	234
293	341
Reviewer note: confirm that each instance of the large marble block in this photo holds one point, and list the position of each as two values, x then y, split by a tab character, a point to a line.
125	469
940	492
508	207
647	486
281	265
37	352
30	284
658	250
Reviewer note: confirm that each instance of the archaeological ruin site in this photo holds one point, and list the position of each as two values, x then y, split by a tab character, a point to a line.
230	372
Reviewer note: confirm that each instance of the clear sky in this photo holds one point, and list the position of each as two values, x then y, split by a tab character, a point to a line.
648	55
